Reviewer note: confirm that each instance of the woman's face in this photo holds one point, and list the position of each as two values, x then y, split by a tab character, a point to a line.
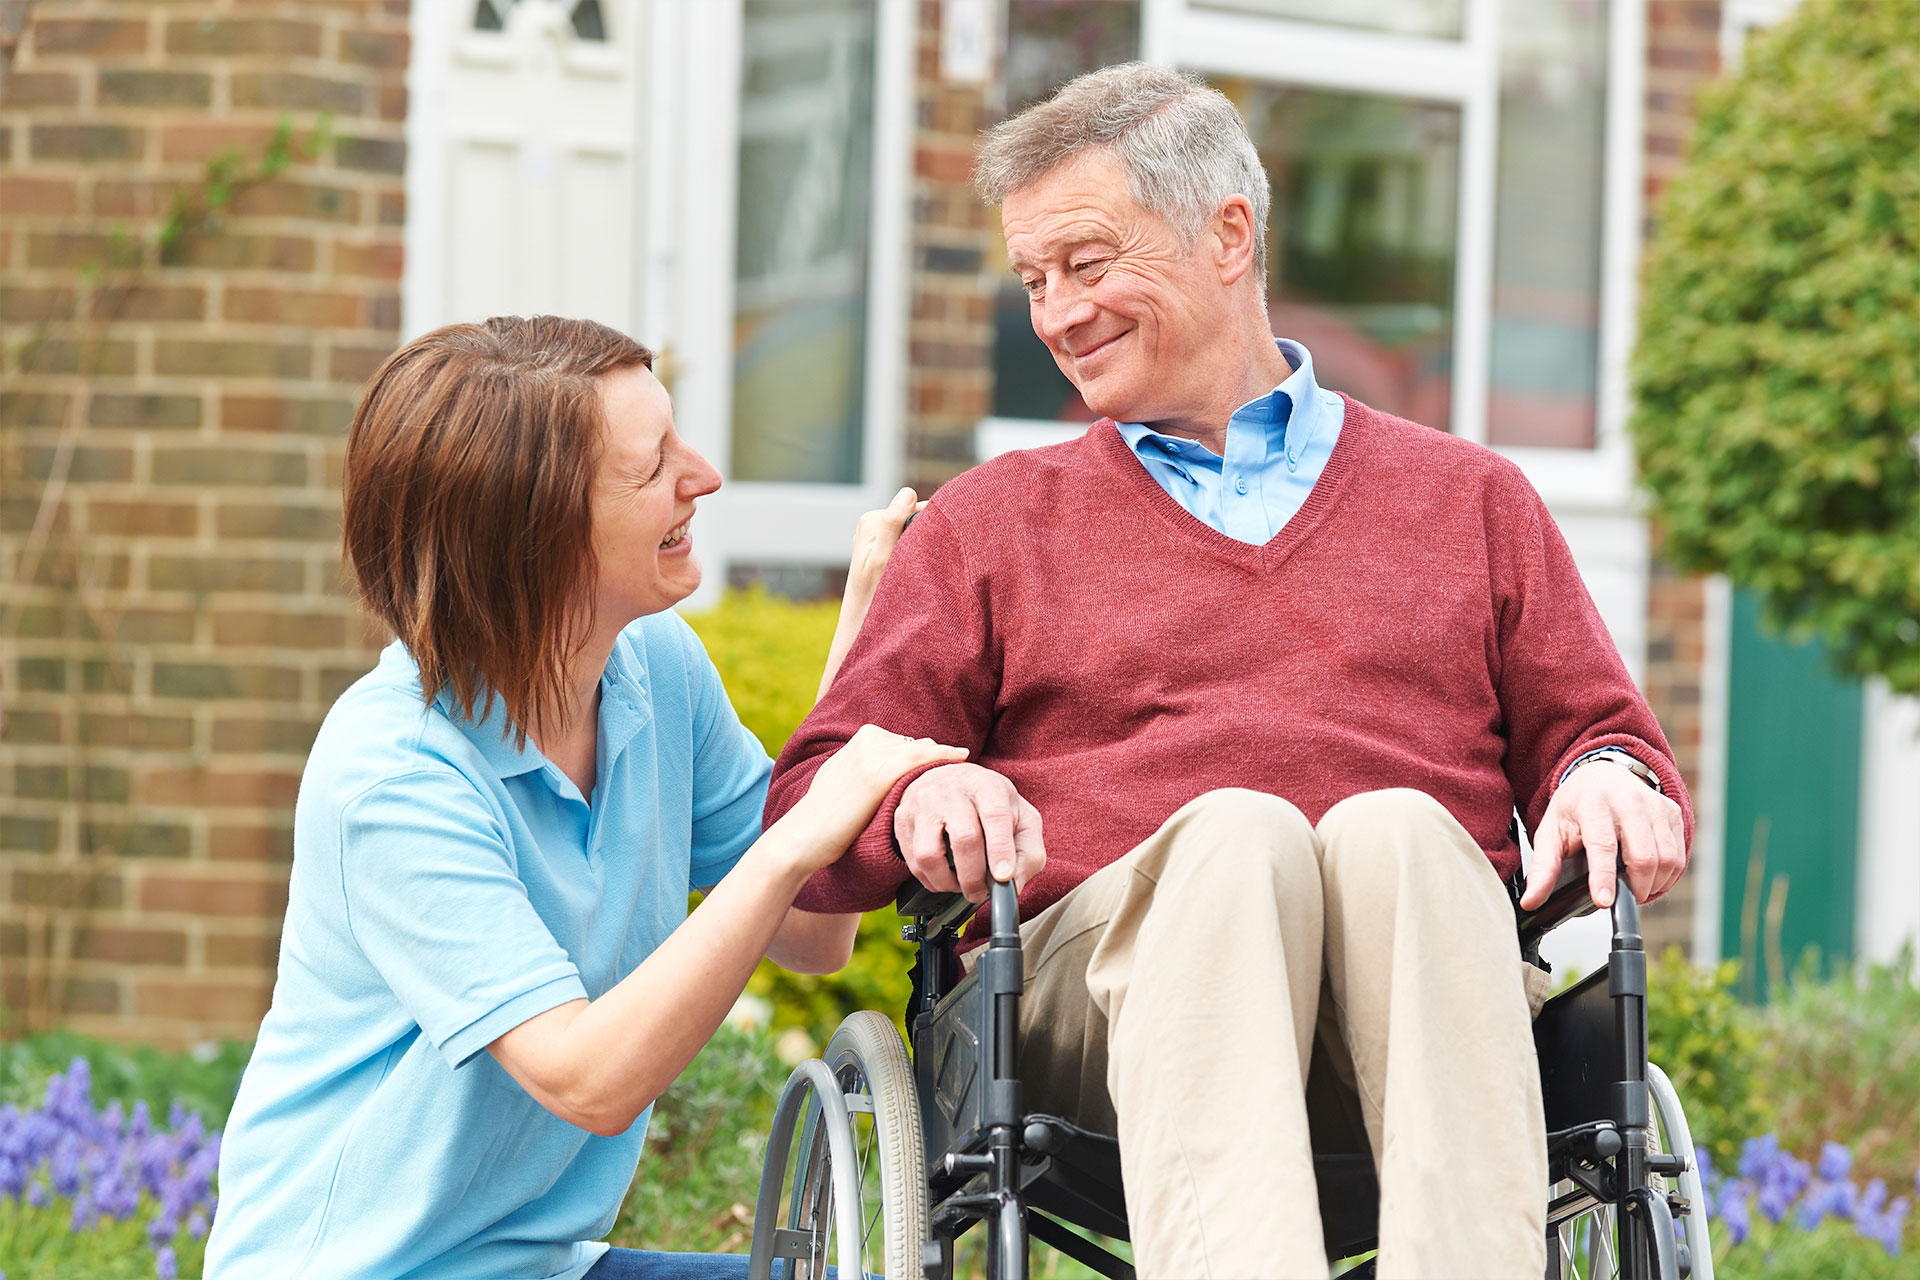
643	502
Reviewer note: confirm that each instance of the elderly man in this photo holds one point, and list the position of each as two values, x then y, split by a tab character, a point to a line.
1276	669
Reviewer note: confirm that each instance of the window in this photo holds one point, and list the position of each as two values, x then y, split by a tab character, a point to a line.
1441	194
802	242
584	17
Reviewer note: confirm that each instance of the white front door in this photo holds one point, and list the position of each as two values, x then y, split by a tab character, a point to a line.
522	182
726	180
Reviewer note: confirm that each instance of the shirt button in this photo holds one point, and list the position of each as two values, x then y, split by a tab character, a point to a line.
1240	485
1170	446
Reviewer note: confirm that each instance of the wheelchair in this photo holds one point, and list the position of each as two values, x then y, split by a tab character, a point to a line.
880	1159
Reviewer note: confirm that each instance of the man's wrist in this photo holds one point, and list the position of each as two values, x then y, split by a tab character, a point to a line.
1625	759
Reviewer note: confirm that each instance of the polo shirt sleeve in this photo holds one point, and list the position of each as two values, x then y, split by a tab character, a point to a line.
730	773
434	901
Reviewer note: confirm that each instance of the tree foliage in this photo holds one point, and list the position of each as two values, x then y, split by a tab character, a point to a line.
1777	379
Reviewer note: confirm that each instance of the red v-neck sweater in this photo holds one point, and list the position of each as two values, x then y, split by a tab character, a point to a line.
1419	623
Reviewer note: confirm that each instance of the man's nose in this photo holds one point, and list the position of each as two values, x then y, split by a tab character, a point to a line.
1064	306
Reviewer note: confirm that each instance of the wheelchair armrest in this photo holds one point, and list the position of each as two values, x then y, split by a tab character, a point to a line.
918	901
1569	900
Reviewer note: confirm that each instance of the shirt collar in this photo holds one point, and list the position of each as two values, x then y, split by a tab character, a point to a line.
1292	414
624	709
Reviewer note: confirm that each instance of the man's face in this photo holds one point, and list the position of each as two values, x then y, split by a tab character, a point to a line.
1126	309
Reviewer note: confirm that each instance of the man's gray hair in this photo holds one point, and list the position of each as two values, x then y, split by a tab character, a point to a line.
1180	142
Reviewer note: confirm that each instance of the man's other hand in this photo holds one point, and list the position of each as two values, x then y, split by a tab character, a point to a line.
987	823
1608	811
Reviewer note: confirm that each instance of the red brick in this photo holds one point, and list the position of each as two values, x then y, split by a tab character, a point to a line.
281	199
71	889
201	895
278	413
87	142
196	143
233	359
20	304
137	199
283	90
40	89
247	843
243	36
305	630
283	521
51	196
309	308
385	49
130	946
225	950
202	999
356	364
383	260
218	787
259	253
264	734
52	36
125	87
141	732
144	518
85	250
150	302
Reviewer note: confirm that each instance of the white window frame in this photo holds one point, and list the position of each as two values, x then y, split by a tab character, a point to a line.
695	82
1464	73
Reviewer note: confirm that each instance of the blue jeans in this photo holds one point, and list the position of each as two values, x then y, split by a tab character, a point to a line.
640	1264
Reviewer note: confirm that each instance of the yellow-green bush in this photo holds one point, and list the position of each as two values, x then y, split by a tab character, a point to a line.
1709	1044
770	653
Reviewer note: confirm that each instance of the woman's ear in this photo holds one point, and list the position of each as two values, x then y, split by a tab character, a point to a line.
1235	237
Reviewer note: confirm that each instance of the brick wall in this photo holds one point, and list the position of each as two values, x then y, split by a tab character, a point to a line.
950	373
174	625
1683	52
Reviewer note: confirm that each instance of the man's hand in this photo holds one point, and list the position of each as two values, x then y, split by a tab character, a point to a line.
984	819
1608	811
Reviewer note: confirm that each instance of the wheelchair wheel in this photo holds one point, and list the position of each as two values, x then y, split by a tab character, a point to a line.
854	1195
1587	1246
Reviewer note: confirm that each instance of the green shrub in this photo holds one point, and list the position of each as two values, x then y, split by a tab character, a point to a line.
1775	384
1842	1063
770	653
1708	1043
701	1166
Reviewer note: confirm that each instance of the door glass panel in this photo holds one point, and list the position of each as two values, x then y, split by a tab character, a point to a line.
1049	42
1545	339
800	275
1360	242
1439	18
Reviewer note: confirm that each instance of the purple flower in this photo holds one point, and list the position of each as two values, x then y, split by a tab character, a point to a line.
1836	1162
1733	1213
37	1196
164	1264
196	1227
1756	1154
1703	1161
161	1228
1874	1197
1885	1227
1830	1200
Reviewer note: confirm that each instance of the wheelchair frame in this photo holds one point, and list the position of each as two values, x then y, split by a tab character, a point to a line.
1034	1176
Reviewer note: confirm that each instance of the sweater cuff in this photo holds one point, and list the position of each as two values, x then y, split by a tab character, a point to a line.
1672	785
869	874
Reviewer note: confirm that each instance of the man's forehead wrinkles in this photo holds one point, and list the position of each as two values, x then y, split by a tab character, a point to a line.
1039	243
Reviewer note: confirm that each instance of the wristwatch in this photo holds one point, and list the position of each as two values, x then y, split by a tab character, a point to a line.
1625	760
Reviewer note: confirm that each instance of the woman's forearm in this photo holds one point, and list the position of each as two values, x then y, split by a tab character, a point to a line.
599	1064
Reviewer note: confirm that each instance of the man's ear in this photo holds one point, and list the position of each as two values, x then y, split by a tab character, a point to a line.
1234	237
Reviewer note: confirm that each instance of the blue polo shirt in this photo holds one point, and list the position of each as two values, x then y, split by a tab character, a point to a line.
447	887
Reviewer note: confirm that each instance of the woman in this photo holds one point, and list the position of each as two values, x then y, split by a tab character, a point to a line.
487	972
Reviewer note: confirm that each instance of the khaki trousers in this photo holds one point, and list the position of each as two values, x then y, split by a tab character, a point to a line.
1176	999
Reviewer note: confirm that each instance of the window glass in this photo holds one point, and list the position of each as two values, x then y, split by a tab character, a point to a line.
1545	338
1360	242
583	16
1401	17
1049	42
800	275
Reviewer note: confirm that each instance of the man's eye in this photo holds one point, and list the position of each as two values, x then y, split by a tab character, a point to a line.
1033	286
1090	266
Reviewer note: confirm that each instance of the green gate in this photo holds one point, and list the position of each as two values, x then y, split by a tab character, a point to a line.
1793	795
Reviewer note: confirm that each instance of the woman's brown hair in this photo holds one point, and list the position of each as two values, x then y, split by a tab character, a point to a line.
468	505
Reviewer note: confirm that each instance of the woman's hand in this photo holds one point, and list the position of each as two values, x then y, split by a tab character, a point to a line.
873	543
849	788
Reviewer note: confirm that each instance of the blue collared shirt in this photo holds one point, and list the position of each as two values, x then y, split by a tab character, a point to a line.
1277	446
447	886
